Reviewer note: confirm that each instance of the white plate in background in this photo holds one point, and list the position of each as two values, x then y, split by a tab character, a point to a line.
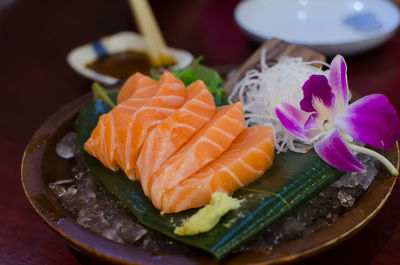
328	26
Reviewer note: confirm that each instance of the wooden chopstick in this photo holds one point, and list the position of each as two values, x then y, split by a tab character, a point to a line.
148	26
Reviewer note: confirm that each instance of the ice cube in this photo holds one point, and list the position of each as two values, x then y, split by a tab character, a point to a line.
347	200
363	179
67	146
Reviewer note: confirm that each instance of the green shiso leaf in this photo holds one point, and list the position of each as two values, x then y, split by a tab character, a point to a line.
210	77
292	180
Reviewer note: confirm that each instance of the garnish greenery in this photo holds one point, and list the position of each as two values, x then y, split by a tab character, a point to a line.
197	71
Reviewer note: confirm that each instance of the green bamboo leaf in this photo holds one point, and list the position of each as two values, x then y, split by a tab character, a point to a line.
293	179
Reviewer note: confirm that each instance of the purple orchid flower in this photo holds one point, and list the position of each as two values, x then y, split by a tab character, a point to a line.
330	123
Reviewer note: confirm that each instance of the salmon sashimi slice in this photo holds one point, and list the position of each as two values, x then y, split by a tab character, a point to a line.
205	146
249	156
135	83
103	142
171	133
169	97
124	112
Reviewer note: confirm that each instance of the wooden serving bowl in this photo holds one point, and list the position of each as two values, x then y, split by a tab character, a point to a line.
41	166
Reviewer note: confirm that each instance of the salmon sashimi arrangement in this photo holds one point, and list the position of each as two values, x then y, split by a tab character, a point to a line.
178	144
144	88
249	156
205	146
175	130
169	97
103	142
108	140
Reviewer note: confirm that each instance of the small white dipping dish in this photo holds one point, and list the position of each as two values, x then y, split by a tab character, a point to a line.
328	26
79	57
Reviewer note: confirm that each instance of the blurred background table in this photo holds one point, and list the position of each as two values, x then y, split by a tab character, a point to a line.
35	37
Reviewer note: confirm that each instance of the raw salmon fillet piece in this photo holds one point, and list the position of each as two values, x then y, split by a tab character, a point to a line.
103	142
123	113
135	83
249	156
169	97
171	133
205	146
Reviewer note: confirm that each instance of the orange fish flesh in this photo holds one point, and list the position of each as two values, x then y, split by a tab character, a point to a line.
169	97
175	130
249	156
205	146
103	142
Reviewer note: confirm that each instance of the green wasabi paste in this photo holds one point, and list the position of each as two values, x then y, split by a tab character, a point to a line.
208	216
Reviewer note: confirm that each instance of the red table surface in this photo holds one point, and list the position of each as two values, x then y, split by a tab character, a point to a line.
35	37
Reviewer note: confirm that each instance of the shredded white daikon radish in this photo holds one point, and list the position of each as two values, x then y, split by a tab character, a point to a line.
262	91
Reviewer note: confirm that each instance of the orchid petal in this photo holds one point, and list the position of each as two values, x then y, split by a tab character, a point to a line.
371	120
317	92
338	82
318	98
293	120
333	150
311	122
